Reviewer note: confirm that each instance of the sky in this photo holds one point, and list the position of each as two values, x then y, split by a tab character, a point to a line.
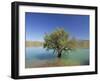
37	24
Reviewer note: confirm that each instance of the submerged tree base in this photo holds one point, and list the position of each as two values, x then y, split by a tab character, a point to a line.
59	55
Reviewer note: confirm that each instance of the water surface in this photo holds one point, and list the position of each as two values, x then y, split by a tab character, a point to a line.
40	57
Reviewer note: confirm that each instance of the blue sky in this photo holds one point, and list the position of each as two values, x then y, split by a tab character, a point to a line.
37	24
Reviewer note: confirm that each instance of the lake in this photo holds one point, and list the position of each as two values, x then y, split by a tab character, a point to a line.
40	57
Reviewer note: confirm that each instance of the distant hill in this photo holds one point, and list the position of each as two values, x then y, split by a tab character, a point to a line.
33	43
80	44
83	43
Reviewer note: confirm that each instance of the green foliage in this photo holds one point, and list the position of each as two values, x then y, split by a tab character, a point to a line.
58	41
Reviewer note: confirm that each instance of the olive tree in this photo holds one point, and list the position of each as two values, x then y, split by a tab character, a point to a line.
58	41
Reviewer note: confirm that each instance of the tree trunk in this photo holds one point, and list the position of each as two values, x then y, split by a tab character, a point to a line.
59	55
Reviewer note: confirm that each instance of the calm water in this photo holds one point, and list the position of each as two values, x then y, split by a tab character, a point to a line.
39	57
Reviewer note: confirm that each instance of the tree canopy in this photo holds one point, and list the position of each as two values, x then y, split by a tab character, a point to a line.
58	40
